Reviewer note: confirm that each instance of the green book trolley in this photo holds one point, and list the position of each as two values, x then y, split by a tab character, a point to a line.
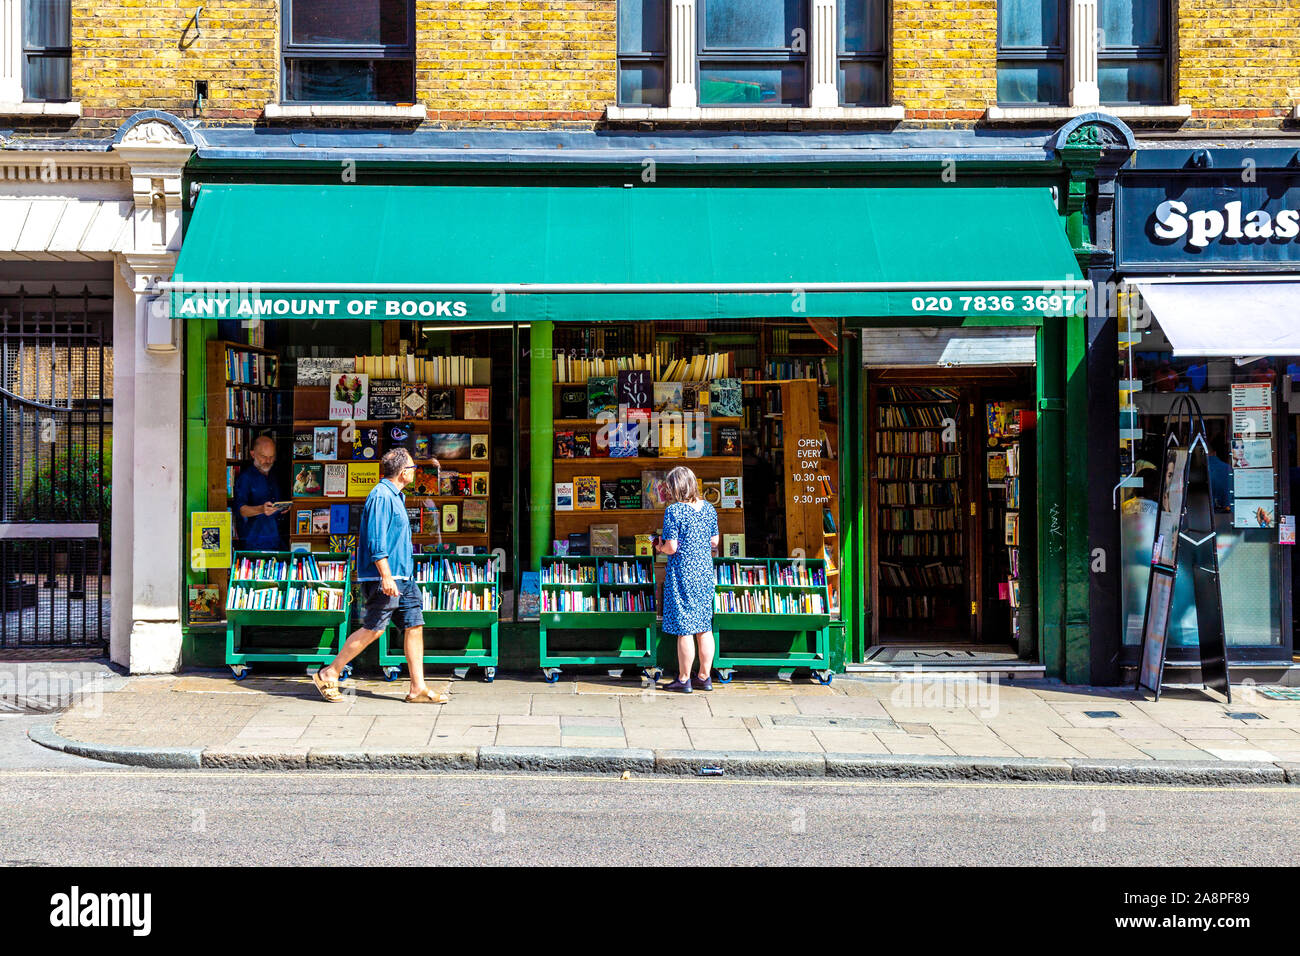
598	610
771	612
299	602
462	600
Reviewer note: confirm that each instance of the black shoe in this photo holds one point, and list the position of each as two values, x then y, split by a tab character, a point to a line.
681	686
706	684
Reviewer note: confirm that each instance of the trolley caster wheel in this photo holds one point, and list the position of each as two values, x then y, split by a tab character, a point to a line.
460	672
653	673
551	675
346	673
724	676
489	674
823	677
390	673
239	671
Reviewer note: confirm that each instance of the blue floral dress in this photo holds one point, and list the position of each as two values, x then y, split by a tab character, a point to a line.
688	582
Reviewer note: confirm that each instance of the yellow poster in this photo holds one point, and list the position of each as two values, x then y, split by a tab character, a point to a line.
362	476
210	536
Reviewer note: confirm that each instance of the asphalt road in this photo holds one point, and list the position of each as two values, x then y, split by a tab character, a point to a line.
92	815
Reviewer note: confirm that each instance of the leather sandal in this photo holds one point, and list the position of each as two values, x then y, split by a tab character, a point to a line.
427	696
329	689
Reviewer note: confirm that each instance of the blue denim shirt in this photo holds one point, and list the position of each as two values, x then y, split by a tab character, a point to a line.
385	533
260	532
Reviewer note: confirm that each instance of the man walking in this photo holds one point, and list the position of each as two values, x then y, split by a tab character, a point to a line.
386	572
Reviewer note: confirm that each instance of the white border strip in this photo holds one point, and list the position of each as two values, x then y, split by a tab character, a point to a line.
34	530
564	288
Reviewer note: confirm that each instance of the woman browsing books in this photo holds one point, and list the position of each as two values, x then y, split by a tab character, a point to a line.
690	535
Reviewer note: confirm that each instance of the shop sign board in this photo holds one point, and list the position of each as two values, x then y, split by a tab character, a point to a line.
1244	219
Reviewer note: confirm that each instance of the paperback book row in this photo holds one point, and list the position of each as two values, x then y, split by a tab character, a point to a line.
460	572
406	368
639	393
934	468
294	568
355	479
765	602
927	575
793	574
670	436
913	416
252	368
649	493
570	370
788	368
920	493
246	598
583	603
914	443
248	405
369	442
458	599
923	545
602	540
922	519
451	517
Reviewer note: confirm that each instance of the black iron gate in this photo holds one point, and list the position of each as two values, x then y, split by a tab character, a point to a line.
56	385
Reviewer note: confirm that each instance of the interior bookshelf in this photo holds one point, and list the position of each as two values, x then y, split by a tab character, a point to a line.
916	501
598	610
281	589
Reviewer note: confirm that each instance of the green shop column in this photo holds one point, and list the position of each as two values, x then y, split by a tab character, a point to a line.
541	440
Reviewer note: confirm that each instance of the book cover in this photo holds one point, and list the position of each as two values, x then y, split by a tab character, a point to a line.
667	397
425	482
580	543
205	604
302	522
604	539
441	403
564	496
711	491
313	370
586	493
565	445
654	490
298	546
344	544
365	444
465	549
478	486
560	547
478	447
450	446
320	521
385	399
336	480
348	396
361	478
608	495
325	443
339	519
729	440
635	391
573	403
690	396
415	515
725	398
731	491
625	438
473	515
421	446
415	400
601	396
397	436
308	479
645	544
733	545
672	437
354	516
450	517
304	443
476	404
699	437
582	445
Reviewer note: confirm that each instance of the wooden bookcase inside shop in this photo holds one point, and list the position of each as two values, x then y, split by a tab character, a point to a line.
461	596
778	610
300	604
430	493
242	403
598	610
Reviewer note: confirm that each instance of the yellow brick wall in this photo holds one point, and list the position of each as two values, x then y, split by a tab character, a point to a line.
516	60
1239	61
131	55
944	57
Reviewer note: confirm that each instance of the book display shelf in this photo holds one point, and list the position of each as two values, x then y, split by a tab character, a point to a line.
598	610
461	597
305	598
772	612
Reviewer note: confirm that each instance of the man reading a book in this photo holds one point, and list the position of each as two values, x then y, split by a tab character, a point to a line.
256	517
386	572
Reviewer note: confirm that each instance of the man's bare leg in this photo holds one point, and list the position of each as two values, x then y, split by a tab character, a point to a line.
357	642
413	644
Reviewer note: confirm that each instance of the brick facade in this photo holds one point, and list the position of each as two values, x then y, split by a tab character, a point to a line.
944	58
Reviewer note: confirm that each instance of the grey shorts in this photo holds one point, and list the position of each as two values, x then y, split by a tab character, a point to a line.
379	608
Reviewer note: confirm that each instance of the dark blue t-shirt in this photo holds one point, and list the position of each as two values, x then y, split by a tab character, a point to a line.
260	532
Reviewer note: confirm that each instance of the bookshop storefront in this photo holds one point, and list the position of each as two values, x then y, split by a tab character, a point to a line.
1208	243
557	349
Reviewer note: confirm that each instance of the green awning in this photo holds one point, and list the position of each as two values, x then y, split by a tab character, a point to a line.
582	253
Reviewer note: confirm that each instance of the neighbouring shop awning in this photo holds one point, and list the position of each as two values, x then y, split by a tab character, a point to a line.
1226	318
955	348
581	253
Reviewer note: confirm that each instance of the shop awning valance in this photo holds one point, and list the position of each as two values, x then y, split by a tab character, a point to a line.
583	253
1226	319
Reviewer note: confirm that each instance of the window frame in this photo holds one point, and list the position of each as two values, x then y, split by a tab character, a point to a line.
43	52
662	58
1163	52
1037	54
883	12
340	51
739	58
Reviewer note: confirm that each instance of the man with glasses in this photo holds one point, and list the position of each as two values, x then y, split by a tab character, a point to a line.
386	572
257	519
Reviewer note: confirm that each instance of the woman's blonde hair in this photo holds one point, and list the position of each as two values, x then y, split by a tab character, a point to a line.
683	485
